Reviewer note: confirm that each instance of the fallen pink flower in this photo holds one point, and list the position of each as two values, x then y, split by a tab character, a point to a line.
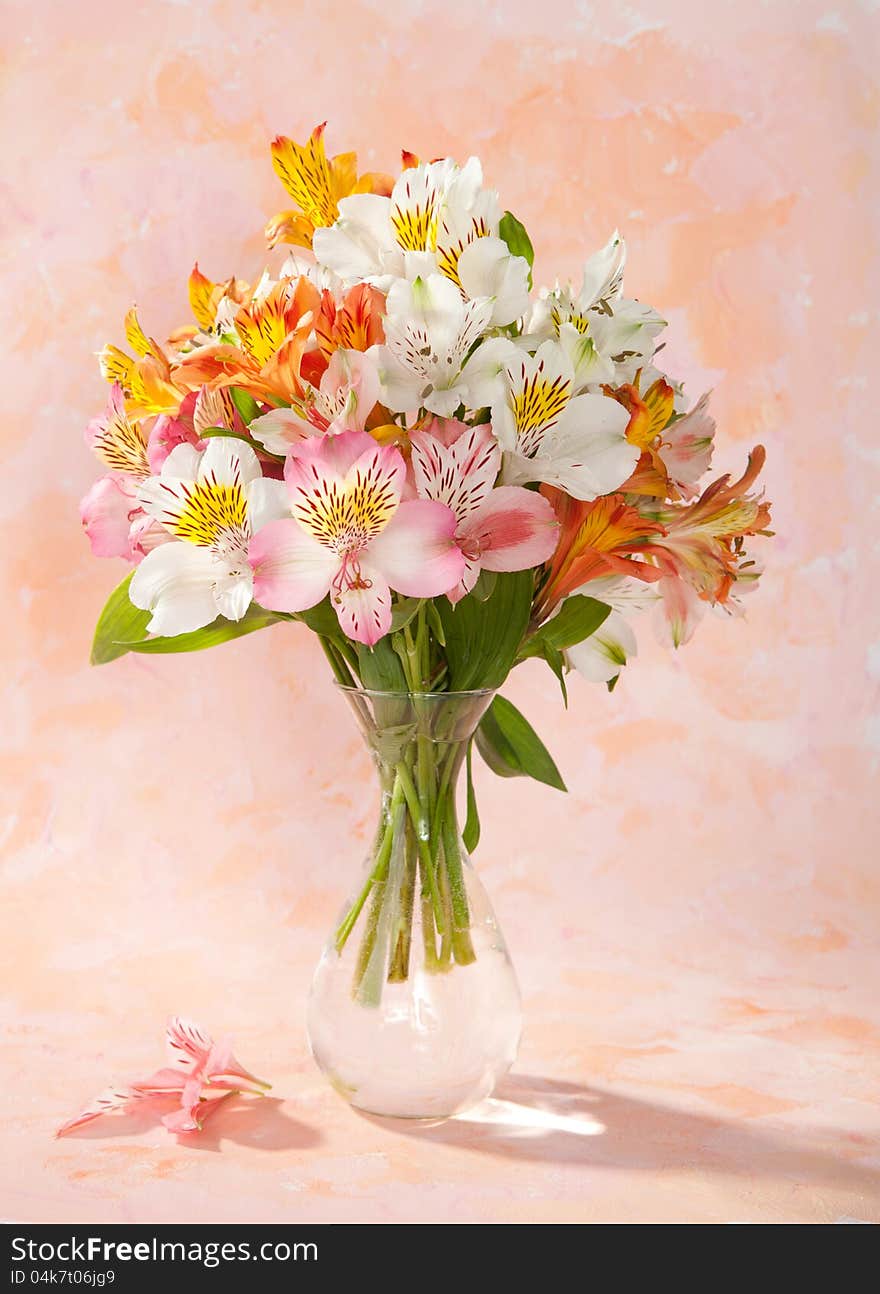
202	1074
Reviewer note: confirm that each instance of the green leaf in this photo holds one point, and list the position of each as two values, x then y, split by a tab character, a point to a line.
471	833
485	585
380	668
612	683
513	232
405	610
120	623
435	622
322	619
511	747
578	617
221	631
245	404
219	432
483	638
556	661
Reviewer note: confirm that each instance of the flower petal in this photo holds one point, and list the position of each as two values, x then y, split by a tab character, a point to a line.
353	246
106	513
459	472
176	582
364	607
267	500
280	430
187	1043
487	269
344	489
292	570
416	552
233	593
602	656
228	462
112	1098
512	530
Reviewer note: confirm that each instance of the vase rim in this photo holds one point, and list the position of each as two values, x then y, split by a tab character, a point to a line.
355	690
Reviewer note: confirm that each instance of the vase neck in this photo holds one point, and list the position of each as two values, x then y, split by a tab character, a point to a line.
426	732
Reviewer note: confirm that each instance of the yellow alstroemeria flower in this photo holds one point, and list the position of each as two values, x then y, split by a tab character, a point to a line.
145	378
316	183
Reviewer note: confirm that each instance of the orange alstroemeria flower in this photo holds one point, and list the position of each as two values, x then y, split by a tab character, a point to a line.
703	541
146	378
274	335
316	183
649	413
205	296
355	323
598	538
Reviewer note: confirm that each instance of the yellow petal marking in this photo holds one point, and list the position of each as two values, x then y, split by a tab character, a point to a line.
344	516
415	228
116	366
537	406
202	299
305	174
135	335
121	445
211	509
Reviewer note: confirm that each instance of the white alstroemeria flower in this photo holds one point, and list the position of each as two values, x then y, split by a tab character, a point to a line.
601	657
297	267
212	502
485	268
606	336
575	442
429	333
439	218
627	336
377	239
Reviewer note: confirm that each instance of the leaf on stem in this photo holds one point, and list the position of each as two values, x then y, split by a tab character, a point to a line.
471	833
380	668
483	638
510	746
513	232
221	631
122	628
245	404
577	619
119	624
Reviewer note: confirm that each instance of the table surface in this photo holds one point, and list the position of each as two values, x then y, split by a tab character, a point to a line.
648	1088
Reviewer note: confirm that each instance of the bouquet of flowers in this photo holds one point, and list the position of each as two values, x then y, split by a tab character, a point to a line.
398	443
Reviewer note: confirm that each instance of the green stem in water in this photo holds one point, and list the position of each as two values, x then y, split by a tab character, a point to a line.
341	672
401	935
420	824
380	866
462	945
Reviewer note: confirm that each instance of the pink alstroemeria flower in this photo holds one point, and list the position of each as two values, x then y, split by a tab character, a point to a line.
352	537
499	528
345	399
201	1075
111	514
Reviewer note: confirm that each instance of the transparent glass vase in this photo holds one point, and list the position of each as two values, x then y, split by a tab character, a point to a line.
414	1010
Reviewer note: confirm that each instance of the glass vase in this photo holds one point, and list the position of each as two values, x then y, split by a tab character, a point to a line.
414	1010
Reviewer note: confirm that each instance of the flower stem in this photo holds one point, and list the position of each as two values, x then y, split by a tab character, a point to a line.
422	828
377	873
462	944
401	935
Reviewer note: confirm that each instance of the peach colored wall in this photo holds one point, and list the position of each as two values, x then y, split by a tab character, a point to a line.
695	925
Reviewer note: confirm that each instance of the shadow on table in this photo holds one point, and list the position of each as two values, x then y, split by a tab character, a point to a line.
549	1120
258	1122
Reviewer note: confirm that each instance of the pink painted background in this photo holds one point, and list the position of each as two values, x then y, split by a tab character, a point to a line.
696	924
